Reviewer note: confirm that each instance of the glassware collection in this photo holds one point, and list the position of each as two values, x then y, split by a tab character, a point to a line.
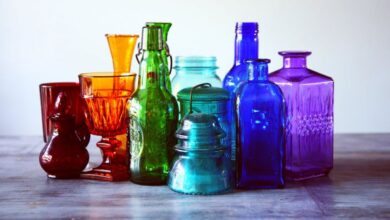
196	134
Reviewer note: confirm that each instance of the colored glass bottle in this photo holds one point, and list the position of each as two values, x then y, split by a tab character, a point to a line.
64	155
208	100
201	164
309	97
194	70
153	116
260	111
165	53
246	47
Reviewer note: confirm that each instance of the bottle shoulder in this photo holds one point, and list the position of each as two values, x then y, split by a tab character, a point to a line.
301	75
259	88
235	76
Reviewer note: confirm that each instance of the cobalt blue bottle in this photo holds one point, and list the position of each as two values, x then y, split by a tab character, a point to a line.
246	47
260	109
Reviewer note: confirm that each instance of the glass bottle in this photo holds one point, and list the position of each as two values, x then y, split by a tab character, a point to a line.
194	70
246	47
260	130
201	164
204	98
165	26
65	154
153	116
309	97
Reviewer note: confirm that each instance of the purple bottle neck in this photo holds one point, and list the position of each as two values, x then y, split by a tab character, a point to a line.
246	42
294	59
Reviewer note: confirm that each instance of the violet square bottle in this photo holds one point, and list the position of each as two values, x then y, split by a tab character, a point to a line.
309	130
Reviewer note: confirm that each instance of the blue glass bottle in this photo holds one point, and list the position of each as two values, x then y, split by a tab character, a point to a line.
246	47
260	109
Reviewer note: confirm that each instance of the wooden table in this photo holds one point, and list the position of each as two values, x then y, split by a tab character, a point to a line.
358	186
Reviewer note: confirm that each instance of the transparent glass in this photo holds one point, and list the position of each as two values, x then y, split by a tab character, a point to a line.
122	49
260	130
165	52
194	70
106	96
309	96
246	47
201	164
64	155
49	93
153	116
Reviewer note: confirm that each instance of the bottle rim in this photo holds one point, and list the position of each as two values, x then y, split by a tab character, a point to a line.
209	62
294	53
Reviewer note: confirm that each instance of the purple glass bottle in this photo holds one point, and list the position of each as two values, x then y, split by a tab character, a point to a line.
309	130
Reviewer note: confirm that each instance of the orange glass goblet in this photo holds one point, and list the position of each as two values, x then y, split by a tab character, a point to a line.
106	96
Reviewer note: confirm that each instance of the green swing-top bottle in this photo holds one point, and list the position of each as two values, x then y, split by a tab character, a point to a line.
153	115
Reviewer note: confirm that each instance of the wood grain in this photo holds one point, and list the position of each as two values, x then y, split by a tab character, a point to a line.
358	187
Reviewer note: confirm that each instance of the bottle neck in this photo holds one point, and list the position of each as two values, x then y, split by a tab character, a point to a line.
152	70
294	62
246	47
257	71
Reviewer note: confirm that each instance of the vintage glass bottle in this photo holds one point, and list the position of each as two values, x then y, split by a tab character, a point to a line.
65	154
204	98
309	98
152	120
260	111
246	47
201	164
165	52
194	70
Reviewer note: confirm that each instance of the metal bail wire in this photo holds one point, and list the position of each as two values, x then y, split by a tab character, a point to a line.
203	85
170	58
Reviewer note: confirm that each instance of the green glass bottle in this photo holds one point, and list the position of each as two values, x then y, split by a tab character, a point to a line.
165	26
153	116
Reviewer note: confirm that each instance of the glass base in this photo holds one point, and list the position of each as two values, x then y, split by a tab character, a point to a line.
306	175
149	180
64	176
107	173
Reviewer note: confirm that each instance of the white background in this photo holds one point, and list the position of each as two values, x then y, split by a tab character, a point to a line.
47	40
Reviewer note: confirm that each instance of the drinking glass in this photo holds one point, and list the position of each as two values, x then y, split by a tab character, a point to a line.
106	95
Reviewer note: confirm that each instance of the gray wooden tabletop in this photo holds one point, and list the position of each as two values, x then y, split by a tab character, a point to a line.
358	187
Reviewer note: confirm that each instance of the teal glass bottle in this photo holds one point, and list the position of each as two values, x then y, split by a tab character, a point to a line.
153	116
201	164
208	100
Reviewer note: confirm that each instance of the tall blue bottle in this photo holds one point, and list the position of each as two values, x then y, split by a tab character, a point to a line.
246	47
260	109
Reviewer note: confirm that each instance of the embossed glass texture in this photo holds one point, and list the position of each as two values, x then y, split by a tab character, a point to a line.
246	46
201	164
153	116
309	98
194	70
106	96
208	100
260	111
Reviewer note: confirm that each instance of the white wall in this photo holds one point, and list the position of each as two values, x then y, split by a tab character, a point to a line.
45	40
